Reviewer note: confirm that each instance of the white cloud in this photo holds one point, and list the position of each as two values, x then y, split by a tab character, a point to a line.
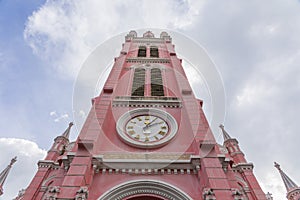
252	94
64	32
82	114
258	55
28	153
272	183
57	117
53	113
63	116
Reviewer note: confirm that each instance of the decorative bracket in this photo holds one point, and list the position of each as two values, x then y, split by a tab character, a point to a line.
237	194
82	193
224	161
208	194
68	159
53	192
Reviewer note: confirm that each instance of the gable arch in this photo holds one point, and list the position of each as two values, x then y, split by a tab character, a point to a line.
144	189
47	182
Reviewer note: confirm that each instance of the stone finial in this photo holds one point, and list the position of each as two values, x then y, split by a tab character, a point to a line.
226	136
277	166
269	196
13	161
133	33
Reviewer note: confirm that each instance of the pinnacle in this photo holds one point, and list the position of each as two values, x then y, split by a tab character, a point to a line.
13	161
226	136
4	173
277	166
289	184
66	134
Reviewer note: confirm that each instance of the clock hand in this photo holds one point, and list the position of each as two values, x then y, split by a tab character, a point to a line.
150	125
154	124
151	122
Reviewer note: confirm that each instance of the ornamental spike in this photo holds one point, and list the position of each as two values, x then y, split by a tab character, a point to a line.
289	184
4	174
226	136
66	134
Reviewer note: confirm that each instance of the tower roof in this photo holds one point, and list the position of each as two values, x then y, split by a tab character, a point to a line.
66	134
226	136
289	184
5	172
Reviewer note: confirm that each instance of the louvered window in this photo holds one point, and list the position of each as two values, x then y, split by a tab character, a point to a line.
157	88
154	52
142	51
138	85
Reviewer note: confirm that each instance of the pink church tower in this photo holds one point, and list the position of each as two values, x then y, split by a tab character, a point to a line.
146	137
4	174
292	189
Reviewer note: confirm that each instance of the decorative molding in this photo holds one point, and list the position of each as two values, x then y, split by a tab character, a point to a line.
207	145
147	66
52	193
237	194
294	194
67	160
54	189
44	186
147	60
138	164
134	171
154	102
241	167
208	194
155	157
243	182
82	193
48	164
147	40
224	161
144	188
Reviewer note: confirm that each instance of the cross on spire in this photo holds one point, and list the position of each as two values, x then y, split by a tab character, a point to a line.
289	184
4	174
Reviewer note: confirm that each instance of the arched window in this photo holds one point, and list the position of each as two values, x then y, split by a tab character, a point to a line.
142	51
154	52
157	88
138	84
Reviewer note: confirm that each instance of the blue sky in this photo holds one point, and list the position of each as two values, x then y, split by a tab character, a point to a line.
255	46
27	85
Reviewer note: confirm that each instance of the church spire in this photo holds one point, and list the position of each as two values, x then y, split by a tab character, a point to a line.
232	146
226	136
60	144
4	174
289	184
66	134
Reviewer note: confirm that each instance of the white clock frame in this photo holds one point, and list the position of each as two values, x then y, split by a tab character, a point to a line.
170	120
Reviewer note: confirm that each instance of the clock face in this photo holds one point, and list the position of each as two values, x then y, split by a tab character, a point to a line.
146	128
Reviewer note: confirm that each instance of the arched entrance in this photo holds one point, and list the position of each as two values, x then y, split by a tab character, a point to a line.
145	190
